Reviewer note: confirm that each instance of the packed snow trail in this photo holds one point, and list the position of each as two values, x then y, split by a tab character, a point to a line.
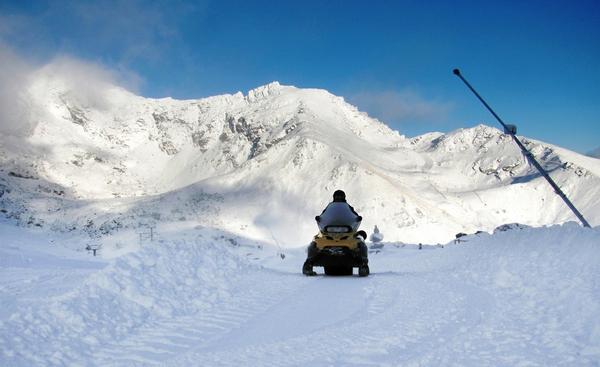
350	326
520	297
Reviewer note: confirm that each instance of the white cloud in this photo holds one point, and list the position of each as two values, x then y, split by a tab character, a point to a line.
85	82
401	106
14	76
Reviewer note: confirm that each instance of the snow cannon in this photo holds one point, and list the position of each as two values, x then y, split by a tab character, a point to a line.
339	246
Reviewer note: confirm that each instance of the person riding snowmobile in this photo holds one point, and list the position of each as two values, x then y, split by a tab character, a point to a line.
339	215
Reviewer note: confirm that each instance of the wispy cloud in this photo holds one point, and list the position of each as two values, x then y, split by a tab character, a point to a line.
594	153
87	45
12	24
135	29
402	106
85	82
14	75
119	31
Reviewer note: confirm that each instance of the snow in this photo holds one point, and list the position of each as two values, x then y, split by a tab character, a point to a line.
521	296
200	212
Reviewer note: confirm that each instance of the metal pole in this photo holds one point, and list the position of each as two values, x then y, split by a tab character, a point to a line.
511	131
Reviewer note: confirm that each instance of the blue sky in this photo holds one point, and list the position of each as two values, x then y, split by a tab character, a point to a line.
536	62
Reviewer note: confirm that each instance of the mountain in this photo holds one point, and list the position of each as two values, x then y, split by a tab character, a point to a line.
265	163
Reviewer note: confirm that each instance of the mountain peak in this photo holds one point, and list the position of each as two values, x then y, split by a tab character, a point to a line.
264	91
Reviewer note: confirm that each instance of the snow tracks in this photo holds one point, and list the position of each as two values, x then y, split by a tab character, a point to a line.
525	297
142	309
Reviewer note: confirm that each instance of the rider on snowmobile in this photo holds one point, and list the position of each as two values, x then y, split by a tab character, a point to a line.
337	212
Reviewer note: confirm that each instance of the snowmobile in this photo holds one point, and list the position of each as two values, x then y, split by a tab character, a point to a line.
340	246
338	249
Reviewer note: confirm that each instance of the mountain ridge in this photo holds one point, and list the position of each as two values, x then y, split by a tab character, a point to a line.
276	149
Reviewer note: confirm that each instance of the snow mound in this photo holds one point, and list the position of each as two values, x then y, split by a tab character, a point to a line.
173	279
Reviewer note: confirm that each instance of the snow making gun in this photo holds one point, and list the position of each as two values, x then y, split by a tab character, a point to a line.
512	131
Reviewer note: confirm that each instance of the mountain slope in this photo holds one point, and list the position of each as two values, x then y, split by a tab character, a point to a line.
265	163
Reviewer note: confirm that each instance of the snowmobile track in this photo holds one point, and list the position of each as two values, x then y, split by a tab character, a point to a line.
370	307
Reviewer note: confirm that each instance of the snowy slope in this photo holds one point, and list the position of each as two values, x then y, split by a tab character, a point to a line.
263	164
205	297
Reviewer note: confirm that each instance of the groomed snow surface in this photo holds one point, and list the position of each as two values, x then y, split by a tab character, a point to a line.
203	297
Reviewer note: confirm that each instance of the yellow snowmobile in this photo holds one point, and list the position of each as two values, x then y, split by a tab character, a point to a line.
338	249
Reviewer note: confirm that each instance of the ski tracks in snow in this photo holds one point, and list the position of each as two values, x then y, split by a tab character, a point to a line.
170	307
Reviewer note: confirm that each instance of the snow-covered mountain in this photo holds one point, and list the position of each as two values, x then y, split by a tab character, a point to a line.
265	163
